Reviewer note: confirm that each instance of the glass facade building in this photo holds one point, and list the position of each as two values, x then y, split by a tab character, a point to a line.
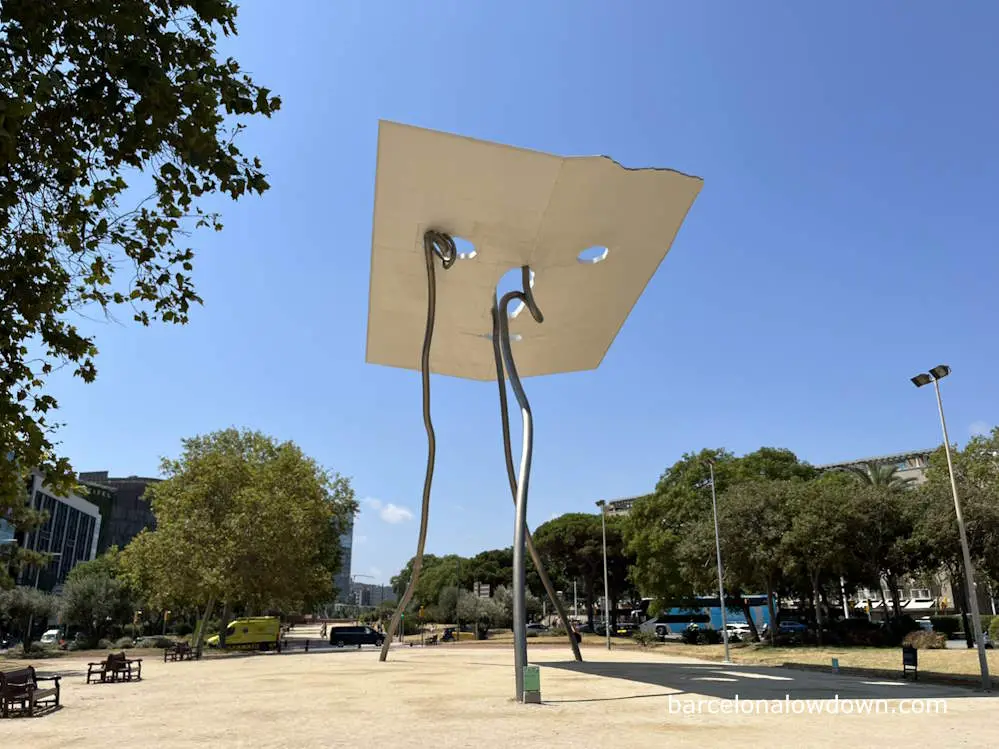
69	534
342	578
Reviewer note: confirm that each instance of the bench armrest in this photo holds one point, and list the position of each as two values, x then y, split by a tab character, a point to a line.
48	678
134	660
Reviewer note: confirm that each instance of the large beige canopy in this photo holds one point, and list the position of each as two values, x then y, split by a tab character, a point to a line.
517	207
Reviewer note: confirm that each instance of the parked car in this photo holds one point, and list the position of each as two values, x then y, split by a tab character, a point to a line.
536	628
791	627
342	636
925	624
739	630
50	636
624	629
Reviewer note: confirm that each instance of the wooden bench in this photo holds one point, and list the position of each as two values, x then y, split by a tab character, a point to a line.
20	688
179	652
116	667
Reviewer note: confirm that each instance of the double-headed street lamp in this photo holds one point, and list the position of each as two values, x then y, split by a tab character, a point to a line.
935	375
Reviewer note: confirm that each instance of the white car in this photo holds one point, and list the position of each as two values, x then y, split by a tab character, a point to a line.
51	637
738	628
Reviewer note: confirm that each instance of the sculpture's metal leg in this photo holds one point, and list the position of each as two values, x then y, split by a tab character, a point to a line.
512	477
442	246
520	523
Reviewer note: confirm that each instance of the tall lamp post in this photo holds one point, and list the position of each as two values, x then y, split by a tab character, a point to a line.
353	582
607	602
935	375
721	585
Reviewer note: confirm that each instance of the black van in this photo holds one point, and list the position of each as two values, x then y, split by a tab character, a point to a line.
343	636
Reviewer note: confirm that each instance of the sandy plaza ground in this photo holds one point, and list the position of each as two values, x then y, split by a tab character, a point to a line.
462	696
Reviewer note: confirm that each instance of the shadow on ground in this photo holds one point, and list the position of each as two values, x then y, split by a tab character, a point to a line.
721	681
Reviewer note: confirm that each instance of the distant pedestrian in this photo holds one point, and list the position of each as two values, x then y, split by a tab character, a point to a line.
323	631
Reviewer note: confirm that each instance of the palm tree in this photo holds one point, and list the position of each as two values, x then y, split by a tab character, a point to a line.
881	474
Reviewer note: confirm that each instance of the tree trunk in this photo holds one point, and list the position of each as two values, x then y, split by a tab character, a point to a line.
223	624
772	629
748	613
817	598
200	635
893	589
961	599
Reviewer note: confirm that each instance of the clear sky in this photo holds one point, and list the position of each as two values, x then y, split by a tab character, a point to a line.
844	240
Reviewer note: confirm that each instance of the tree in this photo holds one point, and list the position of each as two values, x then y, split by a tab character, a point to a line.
101	102
880	474
95	593
571	547
756	517
819	538
671	531
483	612
882	542
24	606
244	520
936	539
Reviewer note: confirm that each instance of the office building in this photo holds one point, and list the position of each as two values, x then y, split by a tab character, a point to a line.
911	465
69	534
129	510
341	580
620	507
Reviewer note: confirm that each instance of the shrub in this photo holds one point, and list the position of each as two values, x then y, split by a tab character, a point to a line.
858	632
947	625
645	638
709	637
123	642
923	640
154	641
898	628
987	620
182	629
103	644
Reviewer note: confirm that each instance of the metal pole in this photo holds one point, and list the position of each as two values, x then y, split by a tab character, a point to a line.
846	603
520	521
721	585
969	573
607	601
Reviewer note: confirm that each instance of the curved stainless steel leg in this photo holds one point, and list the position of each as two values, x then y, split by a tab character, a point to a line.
520	523
442	246
512	477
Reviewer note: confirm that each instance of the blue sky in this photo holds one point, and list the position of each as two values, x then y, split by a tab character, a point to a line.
844	240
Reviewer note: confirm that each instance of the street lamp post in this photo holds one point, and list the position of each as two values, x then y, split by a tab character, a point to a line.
353	582
607	602
721	585
935	375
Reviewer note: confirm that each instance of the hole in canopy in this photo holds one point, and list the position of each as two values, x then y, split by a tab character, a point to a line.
592	255
466	250
512	280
